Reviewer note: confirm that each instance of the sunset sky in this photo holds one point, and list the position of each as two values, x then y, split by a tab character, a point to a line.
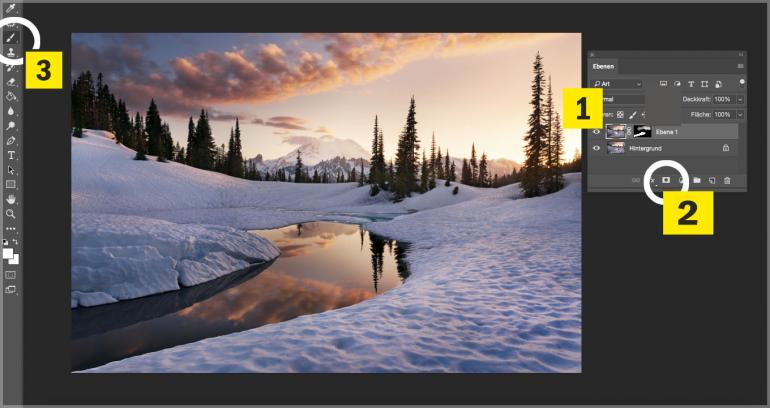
288	87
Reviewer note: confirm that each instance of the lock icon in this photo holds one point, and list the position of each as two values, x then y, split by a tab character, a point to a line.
725	147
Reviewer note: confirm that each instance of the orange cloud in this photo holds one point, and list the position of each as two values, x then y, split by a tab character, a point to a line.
270	73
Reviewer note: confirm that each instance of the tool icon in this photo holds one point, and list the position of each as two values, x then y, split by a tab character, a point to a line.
11	125
10	96
10	8
9	213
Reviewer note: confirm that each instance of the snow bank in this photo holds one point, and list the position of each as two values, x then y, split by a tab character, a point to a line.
495	286
118	257
105	179
495	282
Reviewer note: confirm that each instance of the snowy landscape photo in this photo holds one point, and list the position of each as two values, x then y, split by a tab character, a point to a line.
325	202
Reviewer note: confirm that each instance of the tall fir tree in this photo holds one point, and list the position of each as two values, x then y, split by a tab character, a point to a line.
230	150
407	159
466	177
474	166
205	148
548	111
534	138
432	163
381	165
484	180
374	170
447	168
361	176
168	142
424	174
139	134
377	168
439	165
191	139
298	168
235	158
154	129
555	180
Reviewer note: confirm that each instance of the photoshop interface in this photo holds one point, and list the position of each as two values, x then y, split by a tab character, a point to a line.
223	204
684	105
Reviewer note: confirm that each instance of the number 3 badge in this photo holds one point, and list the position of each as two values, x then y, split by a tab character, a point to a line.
43	70
684	212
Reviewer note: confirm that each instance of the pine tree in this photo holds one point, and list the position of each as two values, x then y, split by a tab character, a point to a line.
555	180
447	169
465	173
102	105
140	138
484	180
474	167
548	132
122	124
438	166
377	162
229	155
235	156
167	141
407	159
205	148
181	156
424	174
374	176
533	165
381	166
153	128
191	139
298	171
361	177
432	165
452	172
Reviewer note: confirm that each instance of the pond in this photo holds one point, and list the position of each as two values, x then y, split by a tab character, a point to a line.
323	266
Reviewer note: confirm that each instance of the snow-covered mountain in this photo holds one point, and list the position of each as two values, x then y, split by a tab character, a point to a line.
333	155
326	153
500	166
317	149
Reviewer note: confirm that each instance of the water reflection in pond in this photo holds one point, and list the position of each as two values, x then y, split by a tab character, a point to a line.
323	266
